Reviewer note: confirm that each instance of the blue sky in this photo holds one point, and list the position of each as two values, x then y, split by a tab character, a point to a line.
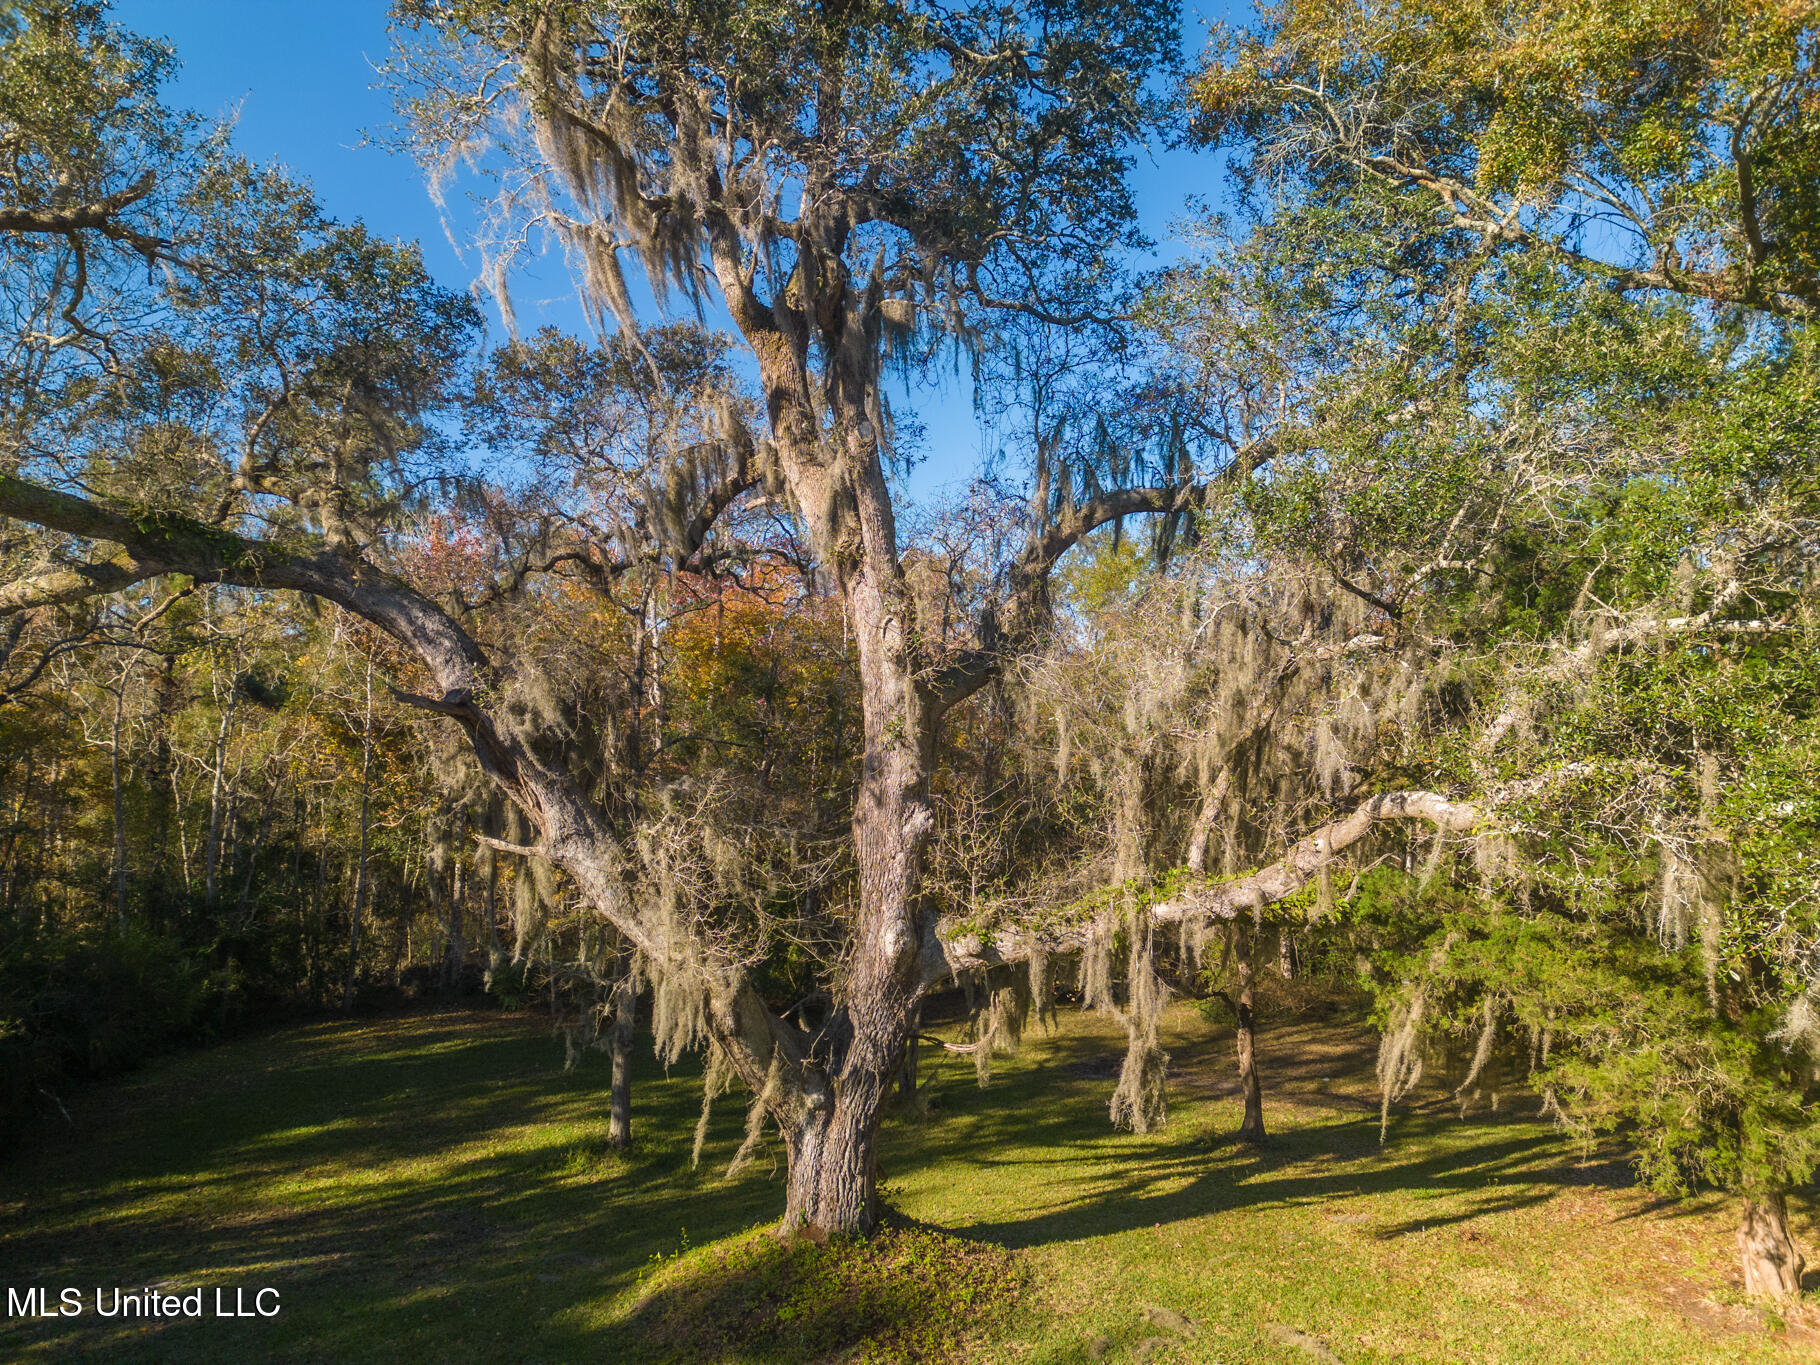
302	78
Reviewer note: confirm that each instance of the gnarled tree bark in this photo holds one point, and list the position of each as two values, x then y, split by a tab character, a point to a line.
1772	1266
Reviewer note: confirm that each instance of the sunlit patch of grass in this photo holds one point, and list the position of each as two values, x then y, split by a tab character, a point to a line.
438	1187
907	1293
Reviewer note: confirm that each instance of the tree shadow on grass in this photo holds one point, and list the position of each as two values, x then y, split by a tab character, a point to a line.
441	1190
1197	1187
1050	1114
438	1188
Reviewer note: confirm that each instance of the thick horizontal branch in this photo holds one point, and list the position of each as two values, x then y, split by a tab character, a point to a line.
1304	861
158	542
97	214
1050	545
74	583
959	951
722	496
100	216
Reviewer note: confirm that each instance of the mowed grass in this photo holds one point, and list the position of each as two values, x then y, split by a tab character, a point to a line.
437	1187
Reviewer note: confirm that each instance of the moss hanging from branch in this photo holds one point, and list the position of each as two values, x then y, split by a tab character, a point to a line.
1042	993
1400	1049
716	1080
998	1026
757	1113
1139	1102
1096	966
1481	1054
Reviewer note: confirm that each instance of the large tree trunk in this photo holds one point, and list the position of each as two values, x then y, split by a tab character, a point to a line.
1772	1266
831	1124
832	1182
1252	1130
833	1178
832	1145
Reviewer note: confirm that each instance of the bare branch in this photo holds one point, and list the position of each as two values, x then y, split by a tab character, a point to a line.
501	846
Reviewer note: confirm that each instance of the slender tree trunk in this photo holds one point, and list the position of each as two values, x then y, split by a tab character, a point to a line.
13	858
1772	1266
495	954
52	845
1252	1130
360	874
454	948
244	903
161	780
211	858
299	822
319	897
625	1022
906	1074
230	839
401	951
119	804
183	836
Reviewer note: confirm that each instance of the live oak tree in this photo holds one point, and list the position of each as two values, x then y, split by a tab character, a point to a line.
818	246
838	181
1563	258
1515	632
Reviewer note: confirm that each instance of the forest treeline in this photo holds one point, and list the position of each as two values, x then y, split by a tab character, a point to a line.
1412	586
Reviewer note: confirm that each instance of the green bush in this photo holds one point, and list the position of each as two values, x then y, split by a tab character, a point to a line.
93	1003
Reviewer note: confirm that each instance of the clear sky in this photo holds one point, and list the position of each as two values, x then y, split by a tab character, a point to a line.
301	75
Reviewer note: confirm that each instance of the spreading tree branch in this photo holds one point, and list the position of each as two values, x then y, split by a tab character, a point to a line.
956	951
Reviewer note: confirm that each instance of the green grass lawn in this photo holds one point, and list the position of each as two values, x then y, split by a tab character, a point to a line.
437	1188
